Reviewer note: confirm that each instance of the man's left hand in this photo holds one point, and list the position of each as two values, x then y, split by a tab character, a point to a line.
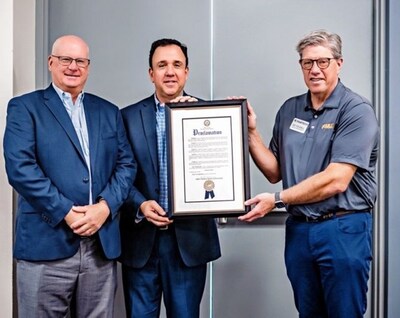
183	99
95	216
264	203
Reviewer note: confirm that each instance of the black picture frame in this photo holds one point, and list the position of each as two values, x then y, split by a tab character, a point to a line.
208	158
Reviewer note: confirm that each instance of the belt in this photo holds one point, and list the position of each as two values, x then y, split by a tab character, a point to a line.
325	217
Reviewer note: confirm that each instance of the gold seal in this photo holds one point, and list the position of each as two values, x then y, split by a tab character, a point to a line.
209	185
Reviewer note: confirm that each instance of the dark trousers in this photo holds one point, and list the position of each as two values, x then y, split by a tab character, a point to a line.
165	275
328	265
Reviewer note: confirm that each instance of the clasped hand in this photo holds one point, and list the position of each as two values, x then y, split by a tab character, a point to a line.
88	219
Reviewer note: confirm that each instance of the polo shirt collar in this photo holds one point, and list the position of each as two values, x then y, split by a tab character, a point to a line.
333	100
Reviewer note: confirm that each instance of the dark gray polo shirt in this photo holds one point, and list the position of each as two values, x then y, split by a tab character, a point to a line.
305	141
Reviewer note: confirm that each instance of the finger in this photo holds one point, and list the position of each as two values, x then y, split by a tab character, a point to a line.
245	219
85	220
249	217
86	230
251	201
236	97
81	230
160	219
187	99
250	109
162	222
158	213
157	210
151	209
77	224
253	219
246	216
181	99
80	209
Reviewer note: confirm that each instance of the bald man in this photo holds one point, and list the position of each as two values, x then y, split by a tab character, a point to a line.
68	158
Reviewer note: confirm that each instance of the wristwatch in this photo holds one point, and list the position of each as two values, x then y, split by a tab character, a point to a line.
278	202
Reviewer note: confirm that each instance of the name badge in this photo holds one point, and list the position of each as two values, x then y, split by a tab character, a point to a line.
299	125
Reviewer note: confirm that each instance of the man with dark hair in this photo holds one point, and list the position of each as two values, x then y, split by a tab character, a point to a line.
161	258
324	148
167	42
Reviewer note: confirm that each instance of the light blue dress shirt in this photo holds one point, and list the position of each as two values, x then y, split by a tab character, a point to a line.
76	112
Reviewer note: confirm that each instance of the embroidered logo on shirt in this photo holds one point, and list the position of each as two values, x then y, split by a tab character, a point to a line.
328	126
299	125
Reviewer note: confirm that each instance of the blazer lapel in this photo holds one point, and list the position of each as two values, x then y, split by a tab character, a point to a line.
149	128
55	105
93	125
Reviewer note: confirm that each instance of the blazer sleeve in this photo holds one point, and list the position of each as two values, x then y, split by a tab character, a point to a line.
23	170
119	185
135	200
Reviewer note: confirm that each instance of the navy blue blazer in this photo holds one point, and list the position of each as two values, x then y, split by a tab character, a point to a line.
197	237
46	166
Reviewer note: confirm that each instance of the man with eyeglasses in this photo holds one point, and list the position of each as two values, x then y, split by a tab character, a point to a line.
68	158
324	149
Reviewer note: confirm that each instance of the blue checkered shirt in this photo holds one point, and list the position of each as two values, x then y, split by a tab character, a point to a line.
162	156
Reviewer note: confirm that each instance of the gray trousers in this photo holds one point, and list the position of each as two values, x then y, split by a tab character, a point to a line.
81	286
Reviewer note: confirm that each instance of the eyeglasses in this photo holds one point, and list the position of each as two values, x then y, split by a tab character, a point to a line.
66	61
322	63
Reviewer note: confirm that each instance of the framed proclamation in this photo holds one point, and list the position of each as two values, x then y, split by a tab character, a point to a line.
208	158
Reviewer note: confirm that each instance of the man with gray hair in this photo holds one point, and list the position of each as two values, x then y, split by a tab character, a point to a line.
324	148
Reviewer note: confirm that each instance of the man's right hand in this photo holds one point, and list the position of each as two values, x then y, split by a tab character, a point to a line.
251	118
73	216
154	213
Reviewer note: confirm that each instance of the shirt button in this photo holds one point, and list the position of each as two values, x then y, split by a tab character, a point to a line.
85	180
315	116
312	127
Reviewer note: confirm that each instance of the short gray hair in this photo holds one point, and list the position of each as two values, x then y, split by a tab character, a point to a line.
323	38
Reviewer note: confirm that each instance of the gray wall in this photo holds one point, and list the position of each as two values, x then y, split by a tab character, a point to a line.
392	160
235	48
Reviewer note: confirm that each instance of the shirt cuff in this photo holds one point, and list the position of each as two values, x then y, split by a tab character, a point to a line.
139	216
